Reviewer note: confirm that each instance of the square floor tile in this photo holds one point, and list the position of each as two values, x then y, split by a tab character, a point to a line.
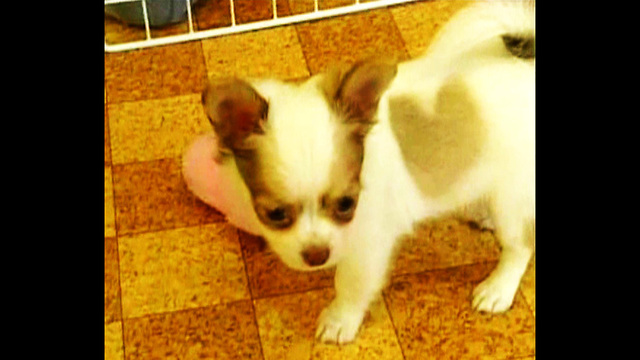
113	349
349	38
419	22
287	327
155	73
434	320
111	281
269	276
226	331
180	269
109	213
155	129
444	243
152	196
266	53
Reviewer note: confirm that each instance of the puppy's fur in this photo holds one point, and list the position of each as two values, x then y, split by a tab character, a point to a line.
340	166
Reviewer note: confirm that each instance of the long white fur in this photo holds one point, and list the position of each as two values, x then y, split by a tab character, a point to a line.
300	150
504	87
300	132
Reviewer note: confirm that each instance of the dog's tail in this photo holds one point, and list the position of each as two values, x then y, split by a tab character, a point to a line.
490	27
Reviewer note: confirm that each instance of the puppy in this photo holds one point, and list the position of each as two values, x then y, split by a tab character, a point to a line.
336	168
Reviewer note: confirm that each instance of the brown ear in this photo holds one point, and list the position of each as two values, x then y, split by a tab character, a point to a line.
235	110
361	88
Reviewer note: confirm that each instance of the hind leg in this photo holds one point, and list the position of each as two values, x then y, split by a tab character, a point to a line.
495	294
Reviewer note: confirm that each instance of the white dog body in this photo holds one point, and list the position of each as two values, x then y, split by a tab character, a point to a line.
330	186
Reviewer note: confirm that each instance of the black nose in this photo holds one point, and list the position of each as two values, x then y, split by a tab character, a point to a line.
315	255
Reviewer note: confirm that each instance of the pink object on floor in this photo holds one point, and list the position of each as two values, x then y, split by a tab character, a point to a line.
218	185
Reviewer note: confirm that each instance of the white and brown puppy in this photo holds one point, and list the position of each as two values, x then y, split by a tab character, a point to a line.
340	166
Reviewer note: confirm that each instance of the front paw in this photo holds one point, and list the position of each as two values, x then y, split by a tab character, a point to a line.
338	325
495	294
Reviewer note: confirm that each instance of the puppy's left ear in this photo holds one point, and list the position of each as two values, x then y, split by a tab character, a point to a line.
362	87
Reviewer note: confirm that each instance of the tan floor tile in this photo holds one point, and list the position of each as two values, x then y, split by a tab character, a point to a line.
111	281
349	38
266	53
288	323
418	22
152	196
269	276
528	285
227	331
155	73
113	341
434	320
445	243
109	213
107	143
180	269
155	129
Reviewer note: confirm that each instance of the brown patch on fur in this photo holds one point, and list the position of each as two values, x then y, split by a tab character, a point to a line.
235	111
354	93
267	192
438	148
344	173
238	115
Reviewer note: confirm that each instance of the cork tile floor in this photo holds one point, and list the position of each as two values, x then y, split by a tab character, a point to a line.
181	283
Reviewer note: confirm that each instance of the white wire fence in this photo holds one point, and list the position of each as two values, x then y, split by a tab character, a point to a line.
132	14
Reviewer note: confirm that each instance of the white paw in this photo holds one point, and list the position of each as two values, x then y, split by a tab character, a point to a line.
339	326
494	295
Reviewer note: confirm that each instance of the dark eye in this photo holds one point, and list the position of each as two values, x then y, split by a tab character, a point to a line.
277	215
344	209
345	204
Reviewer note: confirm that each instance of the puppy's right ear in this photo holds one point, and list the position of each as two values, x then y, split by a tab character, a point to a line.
357	89
236	112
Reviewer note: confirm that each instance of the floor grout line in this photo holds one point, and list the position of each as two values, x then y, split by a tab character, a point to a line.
117	241
178	311
144	232
393	324
252	299
395	25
